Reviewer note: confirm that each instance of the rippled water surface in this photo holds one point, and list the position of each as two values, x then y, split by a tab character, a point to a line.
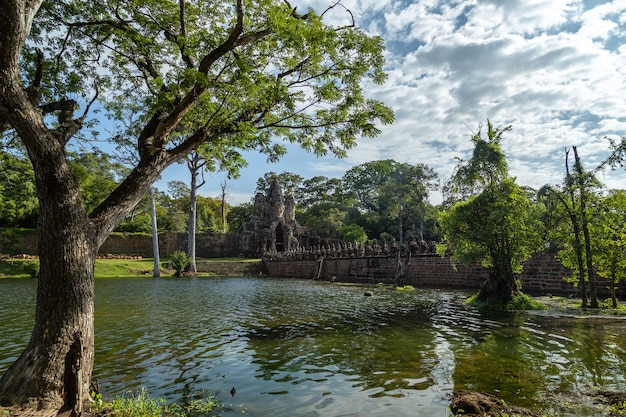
303	348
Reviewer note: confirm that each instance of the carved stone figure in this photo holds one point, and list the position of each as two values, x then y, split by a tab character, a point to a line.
273	224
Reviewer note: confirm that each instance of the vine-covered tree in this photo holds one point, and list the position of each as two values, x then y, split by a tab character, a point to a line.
253	72
497	225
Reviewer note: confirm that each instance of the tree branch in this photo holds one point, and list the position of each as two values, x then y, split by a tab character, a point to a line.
227	45
33	89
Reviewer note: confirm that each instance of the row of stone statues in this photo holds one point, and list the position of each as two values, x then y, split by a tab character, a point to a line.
353	250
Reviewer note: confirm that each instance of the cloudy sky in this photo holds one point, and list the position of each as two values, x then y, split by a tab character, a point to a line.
553	69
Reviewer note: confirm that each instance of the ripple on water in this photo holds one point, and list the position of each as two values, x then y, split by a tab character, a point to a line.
327	350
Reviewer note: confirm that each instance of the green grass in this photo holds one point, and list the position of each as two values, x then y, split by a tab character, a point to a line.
107	268
142	405
517	302
114	268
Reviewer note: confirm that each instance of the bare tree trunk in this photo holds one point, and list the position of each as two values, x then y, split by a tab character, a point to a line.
578	249
584	220
156	271
191	229
195	163
223	198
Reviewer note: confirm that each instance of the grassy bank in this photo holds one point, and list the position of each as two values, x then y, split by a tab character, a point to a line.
105	268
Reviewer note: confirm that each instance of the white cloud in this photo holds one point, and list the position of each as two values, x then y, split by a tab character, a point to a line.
553	69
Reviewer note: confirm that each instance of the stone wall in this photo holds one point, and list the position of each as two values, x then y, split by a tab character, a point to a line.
542	274
207	245
233	269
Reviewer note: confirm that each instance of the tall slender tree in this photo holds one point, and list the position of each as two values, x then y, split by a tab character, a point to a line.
196	165
156	270
583	195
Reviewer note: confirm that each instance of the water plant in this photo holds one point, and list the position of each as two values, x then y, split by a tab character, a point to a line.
406	288
518	301
142	405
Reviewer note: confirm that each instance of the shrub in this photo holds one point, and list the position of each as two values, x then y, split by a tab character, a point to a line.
31	268
179	261
519	301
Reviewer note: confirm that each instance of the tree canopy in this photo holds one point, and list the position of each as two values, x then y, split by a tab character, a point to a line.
496	224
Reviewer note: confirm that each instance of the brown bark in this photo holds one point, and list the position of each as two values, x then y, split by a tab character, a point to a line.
60	351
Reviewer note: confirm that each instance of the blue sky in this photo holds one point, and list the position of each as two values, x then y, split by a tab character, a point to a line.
555	70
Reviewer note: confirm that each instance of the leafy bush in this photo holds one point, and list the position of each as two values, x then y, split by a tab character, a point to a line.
179	261
31	268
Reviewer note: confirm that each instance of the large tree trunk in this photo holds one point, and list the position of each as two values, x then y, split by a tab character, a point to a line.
502	283
54	370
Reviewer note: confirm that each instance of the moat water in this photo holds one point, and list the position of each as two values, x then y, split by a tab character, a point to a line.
305	348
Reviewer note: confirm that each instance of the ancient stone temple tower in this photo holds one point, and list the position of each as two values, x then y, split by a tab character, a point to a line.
273	224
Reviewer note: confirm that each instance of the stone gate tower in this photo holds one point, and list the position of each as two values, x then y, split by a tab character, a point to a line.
273	224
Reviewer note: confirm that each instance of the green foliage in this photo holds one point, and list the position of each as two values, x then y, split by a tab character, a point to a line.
618	409
353	233
247	90
238	215
487	166
319	190
289	182
179	261
18	197
391	197
576	225
328	220
498	228
97	175
142	405
608	228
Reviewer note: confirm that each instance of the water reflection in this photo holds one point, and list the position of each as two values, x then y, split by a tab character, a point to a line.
302	348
